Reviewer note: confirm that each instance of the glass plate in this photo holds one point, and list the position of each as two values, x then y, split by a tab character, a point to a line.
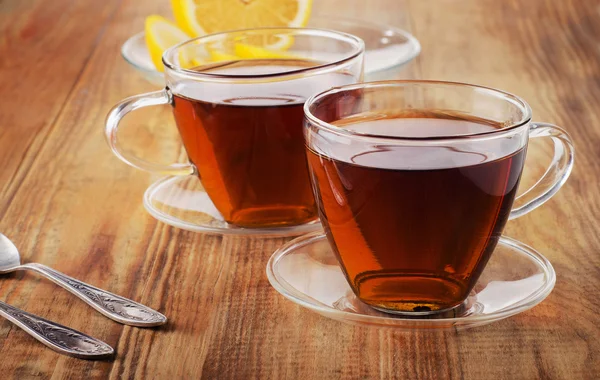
182	202
386	48
306	271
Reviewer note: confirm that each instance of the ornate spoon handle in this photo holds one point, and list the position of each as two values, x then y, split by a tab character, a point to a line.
58	337
115	307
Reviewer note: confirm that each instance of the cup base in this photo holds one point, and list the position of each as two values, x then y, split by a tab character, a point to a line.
421	310
182	202
273	217
410	293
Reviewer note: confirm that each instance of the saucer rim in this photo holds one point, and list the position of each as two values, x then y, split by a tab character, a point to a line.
468	321
287	231
412	41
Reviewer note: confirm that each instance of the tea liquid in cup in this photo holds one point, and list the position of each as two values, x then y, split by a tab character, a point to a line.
240	118
415	182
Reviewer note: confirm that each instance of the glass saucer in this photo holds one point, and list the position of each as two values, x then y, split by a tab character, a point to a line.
306	271
386	48
182	202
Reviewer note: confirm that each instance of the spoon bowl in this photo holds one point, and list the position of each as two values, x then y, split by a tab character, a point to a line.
9	255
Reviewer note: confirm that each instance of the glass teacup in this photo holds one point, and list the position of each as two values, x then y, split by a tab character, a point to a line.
415	181
237	99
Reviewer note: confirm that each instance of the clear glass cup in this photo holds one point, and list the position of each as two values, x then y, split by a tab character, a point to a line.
415	181
237	99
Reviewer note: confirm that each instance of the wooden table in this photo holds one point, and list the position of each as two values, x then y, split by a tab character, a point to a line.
67	202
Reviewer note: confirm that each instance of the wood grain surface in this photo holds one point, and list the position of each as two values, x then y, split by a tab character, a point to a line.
68	203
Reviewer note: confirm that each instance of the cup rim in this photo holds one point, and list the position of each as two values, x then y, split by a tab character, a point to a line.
519	102
357	43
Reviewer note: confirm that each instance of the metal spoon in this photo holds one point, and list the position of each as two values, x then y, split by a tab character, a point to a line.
58	337
115	307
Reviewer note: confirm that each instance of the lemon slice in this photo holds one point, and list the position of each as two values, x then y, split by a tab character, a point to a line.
161	34
248	51
242	51
217	56
200	17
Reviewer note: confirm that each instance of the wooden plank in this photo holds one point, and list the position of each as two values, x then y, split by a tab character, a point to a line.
74	212
44	48
68	203
546	53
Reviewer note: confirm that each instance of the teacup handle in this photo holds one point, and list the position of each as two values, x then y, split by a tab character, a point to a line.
556	174
112	128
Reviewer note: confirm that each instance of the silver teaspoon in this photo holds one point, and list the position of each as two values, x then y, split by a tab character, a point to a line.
58	337
115	307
